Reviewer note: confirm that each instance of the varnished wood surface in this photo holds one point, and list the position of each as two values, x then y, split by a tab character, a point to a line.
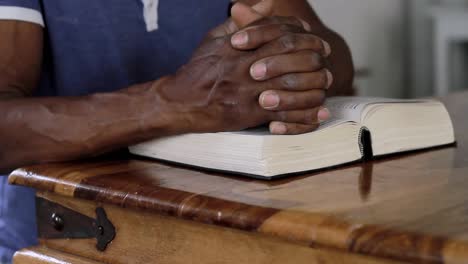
44	255
145	237
412	207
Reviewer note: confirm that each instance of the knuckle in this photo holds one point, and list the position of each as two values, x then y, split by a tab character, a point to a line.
294	20
320	97
222	67
321	81
221	42
275	19
251	57
316	60
246	59
316	42
315	99
289	81
310	117
288	42
291	101
284	28
282	116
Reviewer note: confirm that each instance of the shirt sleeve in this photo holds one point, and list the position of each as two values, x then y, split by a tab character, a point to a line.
22	10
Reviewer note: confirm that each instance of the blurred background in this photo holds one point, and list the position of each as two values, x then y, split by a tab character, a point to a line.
403	48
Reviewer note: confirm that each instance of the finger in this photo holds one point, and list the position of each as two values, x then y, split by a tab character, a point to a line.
310	116
267	29
298	62
243	15
286	43
227	28
264	7
300	81
256	36
277	100
280	20
280	128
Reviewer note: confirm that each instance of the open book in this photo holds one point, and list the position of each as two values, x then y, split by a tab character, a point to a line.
359	128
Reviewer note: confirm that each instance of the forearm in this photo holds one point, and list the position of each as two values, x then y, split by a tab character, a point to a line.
36	130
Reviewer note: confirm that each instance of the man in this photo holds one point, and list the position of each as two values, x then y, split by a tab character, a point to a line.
79	79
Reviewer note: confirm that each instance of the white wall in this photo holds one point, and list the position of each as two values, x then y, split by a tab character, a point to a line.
421	81
375	31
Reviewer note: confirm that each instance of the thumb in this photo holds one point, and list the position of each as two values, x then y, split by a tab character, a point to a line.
243	15
264	7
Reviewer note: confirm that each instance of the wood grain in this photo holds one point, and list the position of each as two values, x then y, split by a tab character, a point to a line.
410	207
144	237
44	255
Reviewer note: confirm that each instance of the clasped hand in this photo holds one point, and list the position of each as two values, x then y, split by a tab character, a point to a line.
254	70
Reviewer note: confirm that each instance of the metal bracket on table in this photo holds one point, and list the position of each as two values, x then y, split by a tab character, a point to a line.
57	222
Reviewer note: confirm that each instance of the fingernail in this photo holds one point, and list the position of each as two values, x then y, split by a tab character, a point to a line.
269	100
278	128
258	71
306	26
240	39
329	79
323	115
326	48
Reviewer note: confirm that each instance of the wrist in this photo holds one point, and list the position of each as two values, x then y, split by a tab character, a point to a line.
163	115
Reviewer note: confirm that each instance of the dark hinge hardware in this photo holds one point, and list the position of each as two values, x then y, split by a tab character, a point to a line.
58	222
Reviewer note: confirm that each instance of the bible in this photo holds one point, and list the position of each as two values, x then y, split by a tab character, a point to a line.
360	128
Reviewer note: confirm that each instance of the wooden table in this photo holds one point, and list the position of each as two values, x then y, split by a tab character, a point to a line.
401	209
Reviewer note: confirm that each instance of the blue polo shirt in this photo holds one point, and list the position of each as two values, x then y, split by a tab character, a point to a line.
100	46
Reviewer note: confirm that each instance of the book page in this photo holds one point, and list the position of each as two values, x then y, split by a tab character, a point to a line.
347	108
265	131
343	109
352	108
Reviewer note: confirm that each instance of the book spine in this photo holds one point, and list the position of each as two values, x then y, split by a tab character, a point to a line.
365	144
